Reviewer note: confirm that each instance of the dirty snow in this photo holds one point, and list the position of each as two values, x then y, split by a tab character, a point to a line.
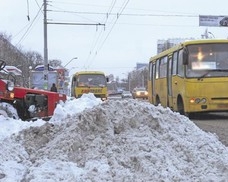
115	140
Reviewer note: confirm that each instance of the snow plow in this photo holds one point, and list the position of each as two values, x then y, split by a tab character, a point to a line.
26	103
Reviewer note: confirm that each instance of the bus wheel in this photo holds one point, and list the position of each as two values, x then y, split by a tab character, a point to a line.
157	101
8	110
180	106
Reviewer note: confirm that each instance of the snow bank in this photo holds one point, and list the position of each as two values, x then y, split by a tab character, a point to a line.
123	140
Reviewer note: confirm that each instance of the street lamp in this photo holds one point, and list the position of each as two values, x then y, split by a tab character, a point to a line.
70	61
128	80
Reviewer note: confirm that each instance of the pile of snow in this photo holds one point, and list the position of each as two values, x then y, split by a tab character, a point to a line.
116	140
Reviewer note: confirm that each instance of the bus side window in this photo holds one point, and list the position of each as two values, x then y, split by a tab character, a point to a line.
150	71
157	69
174	72
163	67
180	66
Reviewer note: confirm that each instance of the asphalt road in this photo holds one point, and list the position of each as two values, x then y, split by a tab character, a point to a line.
211	122
214	123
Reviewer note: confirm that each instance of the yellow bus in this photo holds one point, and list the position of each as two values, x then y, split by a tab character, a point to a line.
89	82
191	77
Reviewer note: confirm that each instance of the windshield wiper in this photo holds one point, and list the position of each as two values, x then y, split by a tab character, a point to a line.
214	70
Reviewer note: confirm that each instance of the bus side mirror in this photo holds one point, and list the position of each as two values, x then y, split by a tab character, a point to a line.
107	79
185	56
74	79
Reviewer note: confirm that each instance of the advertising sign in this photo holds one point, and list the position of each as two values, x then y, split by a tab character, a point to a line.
214	21
37	79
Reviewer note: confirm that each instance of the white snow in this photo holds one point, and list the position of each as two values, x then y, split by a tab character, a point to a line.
116	140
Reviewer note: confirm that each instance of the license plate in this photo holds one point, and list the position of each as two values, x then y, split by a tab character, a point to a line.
222	106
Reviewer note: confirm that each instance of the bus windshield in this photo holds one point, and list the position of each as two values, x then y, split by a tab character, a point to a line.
91	80
207	60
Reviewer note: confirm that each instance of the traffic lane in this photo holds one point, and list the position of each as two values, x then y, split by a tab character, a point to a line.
118	97
114	97
216	123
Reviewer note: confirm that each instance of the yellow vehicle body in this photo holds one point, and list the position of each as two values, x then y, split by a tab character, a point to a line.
191	77
89	82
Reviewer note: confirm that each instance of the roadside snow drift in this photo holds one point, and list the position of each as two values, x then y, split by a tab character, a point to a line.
117	140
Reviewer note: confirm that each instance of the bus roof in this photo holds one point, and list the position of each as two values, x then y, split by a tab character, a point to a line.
89	72
185	43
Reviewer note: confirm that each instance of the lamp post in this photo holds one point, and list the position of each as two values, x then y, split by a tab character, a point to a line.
128	79
70	61
143	84
45	72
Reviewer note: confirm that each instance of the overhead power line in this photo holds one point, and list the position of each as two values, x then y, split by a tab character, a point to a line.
71	23
98	38
119	14
127	14
29	28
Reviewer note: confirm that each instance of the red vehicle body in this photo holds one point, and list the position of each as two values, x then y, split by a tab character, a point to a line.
28	104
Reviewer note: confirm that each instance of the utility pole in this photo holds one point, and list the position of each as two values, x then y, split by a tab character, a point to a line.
45	74
129	81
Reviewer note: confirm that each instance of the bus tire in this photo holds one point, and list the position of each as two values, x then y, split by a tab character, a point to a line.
157	101
181	110
180	106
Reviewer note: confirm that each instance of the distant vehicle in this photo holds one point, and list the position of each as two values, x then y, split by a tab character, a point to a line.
224	21
89	82
119	90
25	103
126	94
140	92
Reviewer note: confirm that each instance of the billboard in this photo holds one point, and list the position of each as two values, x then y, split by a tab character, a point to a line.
37	79
213	21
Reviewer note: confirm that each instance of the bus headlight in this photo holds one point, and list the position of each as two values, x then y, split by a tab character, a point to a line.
203	100
10	86
198	100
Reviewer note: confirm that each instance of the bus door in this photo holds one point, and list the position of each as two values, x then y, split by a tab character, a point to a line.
169	83
153	83
175	80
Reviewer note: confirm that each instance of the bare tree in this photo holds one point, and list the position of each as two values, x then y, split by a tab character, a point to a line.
55	62
34	58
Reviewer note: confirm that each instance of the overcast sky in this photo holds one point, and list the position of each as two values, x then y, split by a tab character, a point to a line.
130	34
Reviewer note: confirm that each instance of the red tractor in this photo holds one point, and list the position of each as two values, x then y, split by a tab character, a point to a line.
25	103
